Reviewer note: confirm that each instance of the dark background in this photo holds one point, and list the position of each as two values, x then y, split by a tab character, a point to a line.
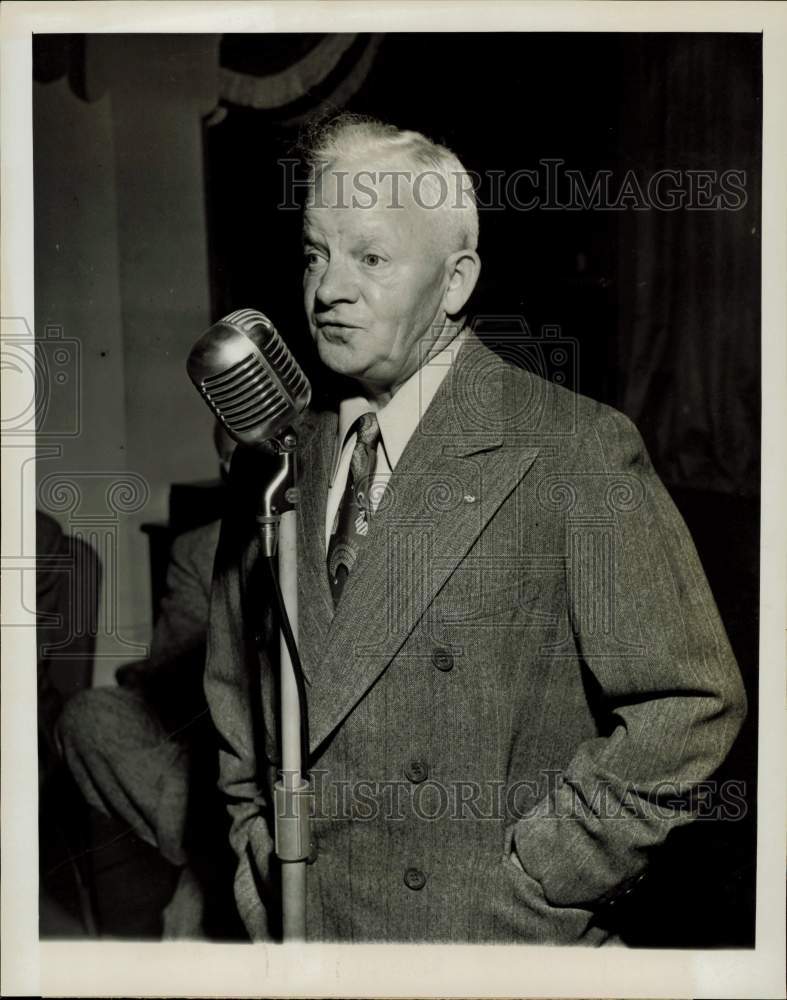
663	307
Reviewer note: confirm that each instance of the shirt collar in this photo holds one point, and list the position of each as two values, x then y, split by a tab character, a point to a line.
400	416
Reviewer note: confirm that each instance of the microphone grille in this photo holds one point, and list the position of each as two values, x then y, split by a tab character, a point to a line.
244	395
276	352
248	377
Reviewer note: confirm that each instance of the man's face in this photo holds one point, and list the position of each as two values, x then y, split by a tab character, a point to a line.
374	276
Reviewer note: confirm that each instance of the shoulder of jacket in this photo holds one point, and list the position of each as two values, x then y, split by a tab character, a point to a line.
562	407
198	545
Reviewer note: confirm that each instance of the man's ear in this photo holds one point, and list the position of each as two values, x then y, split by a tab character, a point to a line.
462	268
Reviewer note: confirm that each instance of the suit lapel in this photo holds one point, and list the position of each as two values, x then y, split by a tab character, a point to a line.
449	482
315	604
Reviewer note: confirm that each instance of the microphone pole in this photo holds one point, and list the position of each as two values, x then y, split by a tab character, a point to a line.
254	386
277	522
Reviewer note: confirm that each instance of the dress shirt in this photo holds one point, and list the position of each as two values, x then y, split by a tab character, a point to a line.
398	419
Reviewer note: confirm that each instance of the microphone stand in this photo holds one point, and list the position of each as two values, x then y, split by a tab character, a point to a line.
292	796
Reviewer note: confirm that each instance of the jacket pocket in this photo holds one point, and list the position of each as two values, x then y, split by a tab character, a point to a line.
535	916
532	916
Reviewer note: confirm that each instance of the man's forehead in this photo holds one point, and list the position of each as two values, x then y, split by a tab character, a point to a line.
369	196
374	219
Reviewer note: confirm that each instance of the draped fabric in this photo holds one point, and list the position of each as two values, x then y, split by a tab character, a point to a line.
294	77
689	342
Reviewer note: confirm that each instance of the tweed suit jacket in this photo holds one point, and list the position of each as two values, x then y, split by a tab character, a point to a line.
524	675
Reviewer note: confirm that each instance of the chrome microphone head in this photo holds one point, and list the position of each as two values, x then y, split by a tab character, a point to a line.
248	377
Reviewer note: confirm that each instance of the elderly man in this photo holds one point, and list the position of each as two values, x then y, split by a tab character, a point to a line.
514	667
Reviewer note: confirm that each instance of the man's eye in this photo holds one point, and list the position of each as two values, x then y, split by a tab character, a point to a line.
372	259
310	258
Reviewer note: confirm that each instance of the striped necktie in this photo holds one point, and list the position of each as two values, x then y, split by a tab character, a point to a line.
353	516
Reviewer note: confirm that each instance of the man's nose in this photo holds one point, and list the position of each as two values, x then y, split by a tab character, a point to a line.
337	284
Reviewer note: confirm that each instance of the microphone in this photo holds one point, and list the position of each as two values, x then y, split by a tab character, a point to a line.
246	374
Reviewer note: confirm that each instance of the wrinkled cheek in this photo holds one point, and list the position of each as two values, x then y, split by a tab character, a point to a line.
341	357
310	285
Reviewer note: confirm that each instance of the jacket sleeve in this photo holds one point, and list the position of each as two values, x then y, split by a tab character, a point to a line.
234	695
171	679
646	625
179	635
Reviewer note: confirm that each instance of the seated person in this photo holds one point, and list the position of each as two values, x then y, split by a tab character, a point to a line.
68	575
145	753
51	608
68	572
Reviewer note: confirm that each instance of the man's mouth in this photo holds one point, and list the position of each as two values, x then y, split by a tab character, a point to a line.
334	328
331	321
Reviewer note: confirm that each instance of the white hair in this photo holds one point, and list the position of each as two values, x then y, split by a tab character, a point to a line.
439	182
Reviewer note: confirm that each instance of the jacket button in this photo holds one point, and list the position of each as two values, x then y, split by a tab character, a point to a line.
414	879
416	771
442	659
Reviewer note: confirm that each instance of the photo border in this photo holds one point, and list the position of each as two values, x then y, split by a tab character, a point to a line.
206	969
